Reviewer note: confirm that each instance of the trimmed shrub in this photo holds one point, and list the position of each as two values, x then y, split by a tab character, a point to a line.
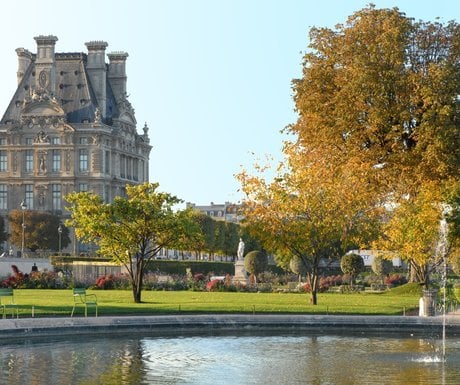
298	266
255	262
352	264
381	267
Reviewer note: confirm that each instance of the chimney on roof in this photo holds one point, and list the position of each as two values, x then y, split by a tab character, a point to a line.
117	73
45	64
24	60
97	72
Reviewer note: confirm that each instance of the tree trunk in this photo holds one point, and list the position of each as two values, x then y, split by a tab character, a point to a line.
313	280
314	288
137	282
137	294
419	273
314	299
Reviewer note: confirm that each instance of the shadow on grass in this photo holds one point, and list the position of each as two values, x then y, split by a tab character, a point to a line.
65	311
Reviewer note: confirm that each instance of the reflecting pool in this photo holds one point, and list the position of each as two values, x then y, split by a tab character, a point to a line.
277	360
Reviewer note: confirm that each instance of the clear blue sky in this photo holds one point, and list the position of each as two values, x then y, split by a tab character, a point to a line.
212	78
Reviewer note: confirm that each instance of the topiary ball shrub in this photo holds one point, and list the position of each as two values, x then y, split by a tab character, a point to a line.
352	264
381	267
298	266
256	262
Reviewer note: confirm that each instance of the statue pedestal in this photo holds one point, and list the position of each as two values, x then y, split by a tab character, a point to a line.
241	275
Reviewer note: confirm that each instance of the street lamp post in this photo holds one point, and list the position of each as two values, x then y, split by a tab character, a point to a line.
23	207
60	234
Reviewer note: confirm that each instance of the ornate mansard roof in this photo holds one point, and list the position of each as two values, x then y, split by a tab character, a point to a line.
73	94
76	87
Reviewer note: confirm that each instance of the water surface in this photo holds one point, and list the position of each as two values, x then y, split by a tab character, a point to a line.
277	360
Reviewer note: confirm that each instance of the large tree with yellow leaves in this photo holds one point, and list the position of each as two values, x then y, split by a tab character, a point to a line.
380	95
383	91
378	125
313	213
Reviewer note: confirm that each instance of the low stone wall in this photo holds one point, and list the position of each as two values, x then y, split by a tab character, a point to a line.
238	324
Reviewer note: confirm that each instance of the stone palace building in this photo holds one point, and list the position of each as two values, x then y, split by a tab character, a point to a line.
69	127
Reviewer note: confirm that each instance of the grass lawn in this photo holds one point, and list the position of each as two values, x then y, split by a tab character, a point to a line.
120	302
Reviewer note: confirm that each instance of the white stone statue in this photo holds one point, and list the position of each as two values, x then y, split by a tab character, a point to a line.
240	252
97	115
42	163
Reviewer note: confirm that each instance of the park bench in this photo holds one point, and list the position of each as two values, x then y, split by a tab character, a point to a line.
7	302
80	297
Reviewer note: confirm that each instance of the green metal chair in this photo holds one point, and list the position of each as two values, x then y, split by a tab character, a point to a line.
8	302
80	297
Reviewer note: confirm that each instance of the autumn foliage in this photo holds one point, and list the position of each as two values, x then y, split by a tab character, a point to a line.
375	151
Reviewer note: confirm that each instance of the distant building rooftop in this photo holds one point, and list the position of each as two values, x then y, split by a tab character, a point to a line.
219	211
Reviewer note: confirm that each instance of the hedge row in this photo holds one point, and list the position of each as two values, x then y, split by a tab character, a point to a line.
180	267
163	266
167	266
68	259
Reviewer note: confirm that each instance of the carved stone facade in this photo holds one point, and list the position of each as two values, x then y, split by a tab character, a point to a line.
69	127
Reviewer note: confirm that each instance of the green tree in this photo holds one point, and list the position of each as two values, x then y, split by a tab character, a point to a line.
206	225
219	238
215	236
41	230
352	264
232	235
255	263
193	241
132	229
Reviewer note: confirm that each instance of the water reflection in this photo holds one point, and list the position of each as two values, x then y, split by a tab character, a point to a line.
280	360
99	361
